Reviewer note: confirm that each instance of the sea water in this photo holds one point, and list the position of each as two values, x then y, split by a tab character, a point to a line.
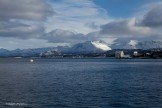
81	83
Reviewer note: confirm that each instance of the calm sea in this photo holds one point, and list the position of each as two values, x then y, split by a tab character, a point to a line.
81	83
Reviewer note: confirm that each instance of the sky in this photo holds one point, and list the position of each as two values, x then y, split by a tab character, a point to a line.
49	23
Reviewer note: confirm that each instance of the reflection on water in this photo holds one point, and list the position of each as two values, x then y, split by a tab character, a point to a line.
80	83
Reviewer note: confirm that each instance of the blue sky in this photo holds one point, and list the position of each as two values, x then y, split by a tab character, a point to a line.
122	8
46	23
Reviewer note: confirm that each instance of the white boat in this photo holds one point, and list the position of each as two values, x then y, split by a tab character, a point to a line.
31	60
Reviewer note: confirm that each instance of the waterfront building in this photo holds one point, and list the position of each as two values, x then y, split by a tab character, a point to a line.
119	54
135	53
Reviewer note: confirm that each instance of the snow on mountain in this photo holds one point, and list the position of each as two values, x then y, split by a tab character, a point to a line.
134	44
85	47
150	45
50	53
124	44
90	47
29	52
101	45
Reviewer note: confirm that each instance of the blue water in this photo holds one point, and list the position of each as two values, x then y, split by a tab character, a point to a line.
80	83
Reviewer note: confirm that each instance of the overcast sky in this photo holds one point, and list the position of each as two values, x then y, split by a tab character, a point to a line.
47	23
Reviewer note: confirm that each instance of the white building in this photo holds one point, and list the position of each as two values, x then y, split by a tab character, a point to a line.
119	54
135	53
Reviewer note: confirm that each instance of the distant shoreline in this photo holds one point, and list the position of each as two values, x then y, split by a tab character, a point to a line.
76	58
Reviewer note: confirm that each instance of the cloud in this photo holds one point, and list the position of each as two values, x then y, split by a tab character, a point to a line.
92	25
144	25
14	43
20	30
20	21
128	27
28	20
64	36
153	18
23	19
24	9
74	15
69	37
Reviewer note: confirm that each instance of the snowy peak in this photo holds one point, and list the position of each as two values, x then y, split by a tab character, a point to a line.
134	44
101	45
125	44
150	44
90	47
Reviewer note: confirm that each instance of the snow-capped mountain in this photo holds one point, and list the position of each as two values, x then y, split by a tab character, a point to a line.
90	47
22	52
82	48
29	52
124	44
150	45
50	53
134	44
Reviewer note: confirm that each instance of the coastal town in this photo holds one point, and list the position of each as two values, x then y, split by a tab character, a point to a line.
118	54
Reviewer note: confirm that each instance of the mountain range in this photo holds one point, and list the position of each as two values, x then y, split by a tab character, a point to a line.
83	48
90	47
134	44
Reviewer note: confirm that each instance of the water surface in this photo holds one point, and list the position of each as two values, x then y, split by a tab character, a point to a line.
81	83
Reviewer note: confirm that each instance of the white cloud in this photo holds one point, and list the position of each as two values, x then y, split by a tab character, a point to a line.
153	18
64	36
20	30
128	27
74	15
23	18
24	9
14	43
146	24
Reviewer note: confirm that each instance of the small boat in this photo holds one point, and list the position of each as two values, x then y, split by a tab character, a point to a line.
31	60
